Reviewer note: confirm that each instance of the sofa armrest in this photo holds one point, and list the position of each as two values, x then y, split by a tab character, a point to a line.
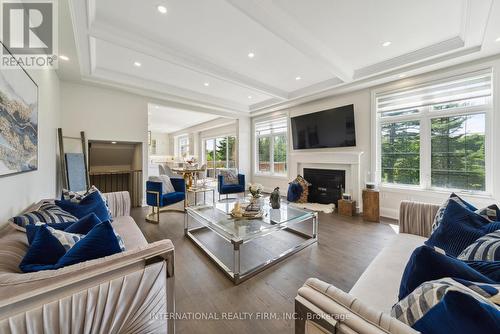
118	203
417	218
17	290
335	311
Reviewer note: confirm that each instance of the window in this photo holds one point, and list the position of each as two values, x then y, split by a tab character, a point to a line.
434	136
183	146
271	146
219	153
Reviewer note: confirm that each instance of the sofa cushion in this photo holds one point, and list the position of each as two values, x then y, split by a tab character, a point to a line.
426	264
486	248
450	306
378	286
132	237
47	213
92	203
459	228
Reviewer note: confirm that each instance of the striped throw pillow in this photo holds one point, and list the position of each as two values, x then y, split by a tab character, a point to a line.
47	213
486	248
414	306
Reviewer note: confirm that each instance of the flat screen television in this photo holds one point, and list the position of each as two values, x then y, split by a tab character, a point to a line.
327	128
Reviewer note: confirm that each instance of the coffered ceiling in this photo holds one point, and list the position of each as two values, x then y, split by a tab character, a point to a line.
244	56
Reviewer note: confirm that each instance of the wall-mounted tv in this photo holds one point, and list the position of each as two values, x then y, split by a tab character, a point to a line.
327	128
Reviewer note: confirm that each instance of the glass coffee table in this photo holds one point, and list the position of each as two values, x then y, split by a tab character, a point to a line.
216	219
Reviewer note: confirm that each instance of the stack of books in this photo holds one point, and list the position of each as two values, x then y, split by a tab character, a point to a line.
252	210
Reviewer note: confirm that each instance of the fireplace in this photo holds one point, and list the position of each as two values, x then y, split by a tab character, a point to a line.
326	185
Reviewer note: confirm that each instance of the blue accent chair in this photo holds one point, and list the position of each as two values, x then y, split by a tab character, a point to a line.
226	189
158	200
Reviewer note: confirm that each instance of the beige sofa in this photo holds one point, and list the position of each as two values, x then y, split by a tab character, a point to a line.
323	308
129	292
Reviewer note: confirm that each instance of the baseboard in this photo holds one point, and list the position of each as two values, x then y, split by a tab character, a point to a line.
389	213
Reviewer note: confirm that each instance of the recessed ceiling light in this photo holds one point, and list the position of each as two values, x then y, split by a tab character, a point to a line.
137	64
113	142
250	96
251	55
206	84
386	43
298	78
497	40
162	9
63	57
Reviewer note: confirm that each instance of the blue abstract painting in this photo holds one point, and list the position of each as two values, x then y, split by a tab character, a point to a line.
18	121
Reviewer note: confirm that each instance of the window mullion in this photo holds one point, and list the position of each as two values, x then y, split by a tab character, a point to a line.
425	150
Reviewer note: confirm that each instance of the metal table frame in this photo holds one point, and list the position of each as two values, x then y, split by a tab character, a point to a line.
203	190
235	273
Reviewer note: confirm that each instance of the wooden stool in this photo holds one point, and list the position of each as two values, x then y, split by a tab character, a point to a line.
371	206
347	208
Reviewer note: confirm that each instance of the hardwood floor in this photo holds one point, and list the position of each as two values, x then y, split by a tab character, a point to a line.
346	246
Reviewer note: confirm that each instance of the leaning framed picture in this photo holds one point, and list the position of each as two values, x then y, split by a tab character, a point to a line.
18	120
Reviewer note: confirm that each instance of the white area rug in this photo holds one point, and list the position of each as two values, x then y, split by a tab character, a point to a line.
326	208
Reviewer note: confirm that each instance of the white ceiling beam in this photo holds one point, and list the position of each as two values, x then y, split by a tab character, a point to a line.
178	55
282	25
172	92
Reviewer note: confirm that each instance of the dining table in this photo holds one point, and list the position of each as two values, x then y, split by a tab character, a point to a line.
188	174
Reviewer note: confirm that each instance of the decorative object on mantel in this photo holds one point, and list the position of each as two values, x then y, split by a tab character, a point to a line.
347	208
275	198
326	208
18	119
255	190
371	206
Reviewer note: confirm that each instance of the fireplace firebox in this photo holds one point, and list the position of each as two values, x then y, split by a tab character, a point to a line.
326	185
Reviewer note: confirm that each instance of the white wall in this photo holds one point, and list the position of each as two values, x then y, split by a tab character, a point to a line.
162	143
21	190
105	114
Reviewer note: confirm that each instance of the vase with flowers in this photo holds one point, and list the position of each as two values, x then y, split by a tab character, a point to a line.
255	190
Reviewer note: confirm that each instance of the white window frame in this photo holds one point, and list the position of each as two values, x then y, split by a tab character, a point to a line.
271	136
214	138
179	138
425	116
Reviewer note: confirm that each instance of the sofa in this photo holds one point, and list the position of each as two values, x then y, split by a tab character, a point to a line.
323	308
128	292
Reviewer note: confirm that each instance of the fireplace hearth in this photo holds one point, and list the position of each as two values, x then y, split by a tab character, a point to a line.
326	185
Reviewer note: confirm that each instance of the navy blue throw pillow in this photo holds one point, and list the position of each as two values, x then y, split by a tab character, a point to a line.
426	264
490	269
459	228
44	252
294	192
47	253
82	226
93	203
459	313
99	242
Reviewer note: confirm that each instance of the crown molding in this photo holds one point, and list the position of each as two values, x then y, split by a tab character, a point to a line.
434	50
